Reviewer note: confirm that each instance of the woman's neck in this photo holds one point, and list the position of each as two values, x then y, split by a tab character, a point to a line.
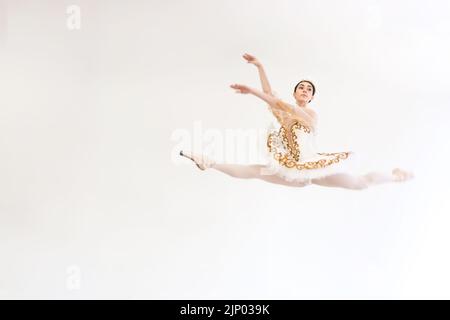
301	104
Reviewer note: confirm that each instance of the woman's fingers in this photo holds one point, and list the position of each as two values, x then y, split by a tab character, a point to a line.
249	57
238	87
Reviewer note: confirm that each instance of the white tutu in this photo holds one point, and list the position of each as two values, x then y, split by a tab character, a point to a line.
292	155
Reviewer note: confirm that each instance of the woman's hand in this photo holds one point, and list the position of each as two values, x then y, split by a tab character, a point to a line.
252	59
240	88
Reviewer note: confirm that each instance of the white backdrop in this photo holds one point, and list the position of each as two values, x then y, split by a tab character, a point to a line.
96	204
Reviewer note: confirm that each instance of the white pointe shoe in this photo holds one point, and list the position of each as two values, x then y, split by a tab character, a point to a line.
401	175
202	163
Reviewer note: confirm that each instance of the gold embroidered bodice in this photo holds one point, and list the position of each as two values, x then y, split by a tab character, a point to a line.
294	146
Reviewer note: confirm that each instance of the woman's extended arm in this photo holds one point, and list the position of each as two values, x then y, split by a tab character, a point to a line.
262	74
271	100
279	108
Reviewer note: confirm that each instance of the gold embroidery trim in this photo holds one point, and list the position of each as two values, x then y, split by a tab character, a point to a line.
291	158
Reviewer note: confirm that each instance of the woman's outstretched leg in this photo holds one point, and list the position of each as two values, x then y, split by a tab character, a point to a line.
347	181
254	171
342	180
241	171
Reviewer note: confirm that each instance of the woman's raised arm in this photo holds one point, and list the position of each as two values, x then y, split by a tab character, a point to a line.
262	74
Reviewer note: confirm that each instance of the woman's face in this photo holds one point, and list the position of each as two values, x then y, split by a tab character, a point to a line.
304	92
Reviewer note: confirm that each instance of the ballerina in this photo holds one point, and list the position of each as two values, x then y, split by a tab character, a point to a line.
292	157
